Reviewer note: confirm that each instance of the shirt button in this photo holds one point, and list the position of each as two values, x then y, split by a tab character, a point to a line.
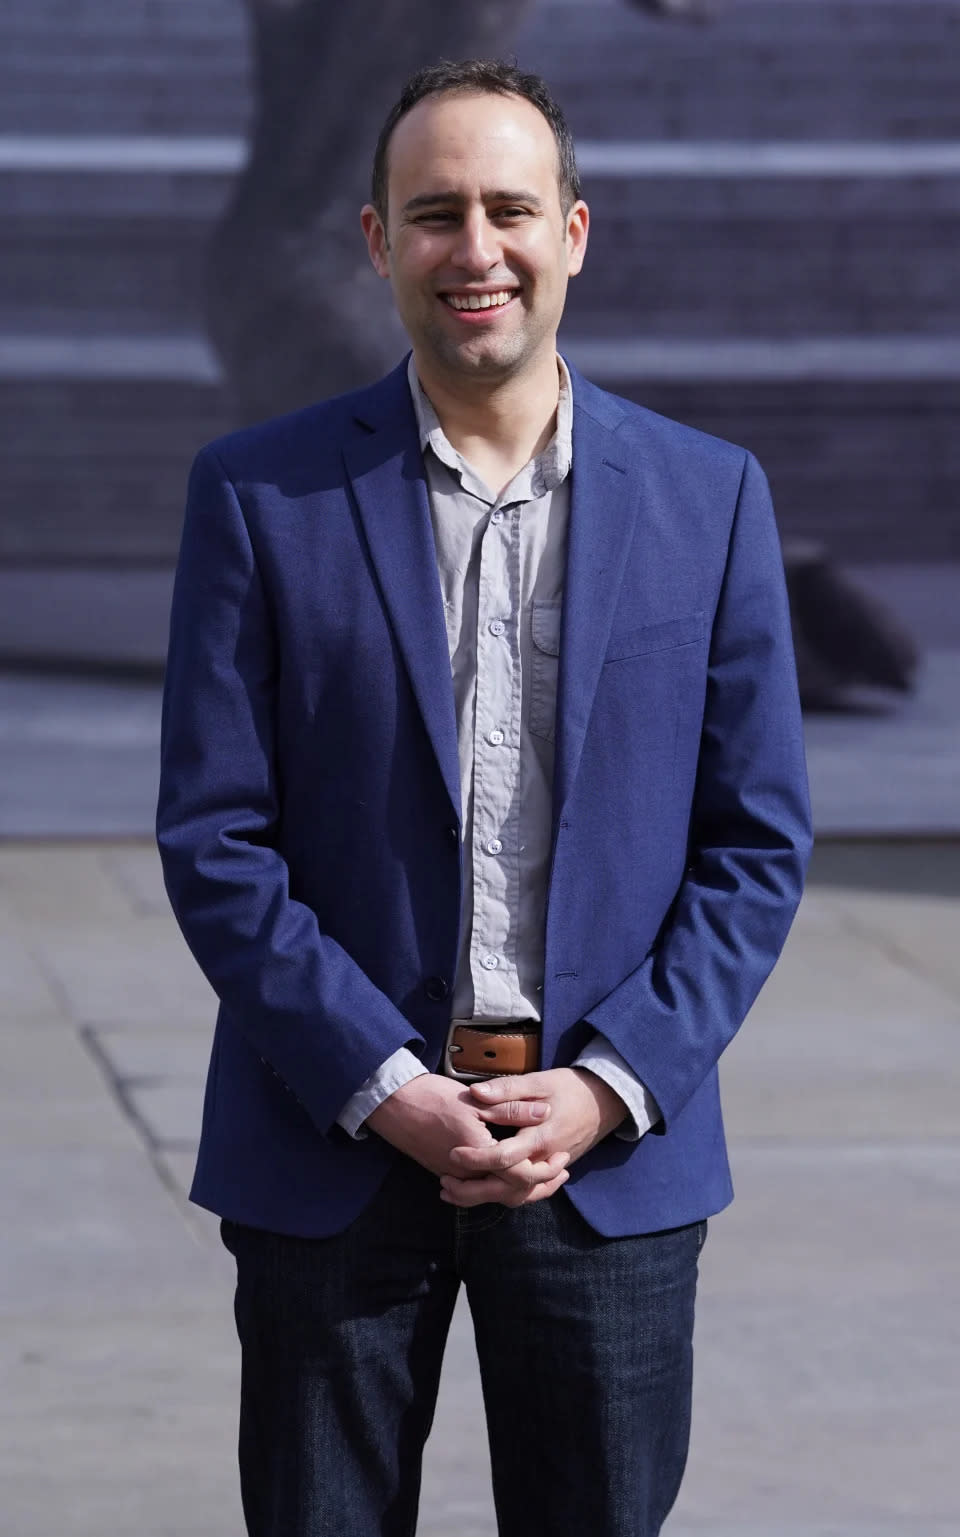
495	736
498	516
497	627
494	846
489	962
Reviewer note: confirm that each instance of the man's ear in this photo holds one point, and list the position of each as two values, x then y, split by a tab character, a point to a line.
578	229
376	239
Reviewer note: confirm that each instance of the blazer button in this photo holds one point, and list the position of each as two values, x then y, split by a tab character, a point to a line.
453	833
436	989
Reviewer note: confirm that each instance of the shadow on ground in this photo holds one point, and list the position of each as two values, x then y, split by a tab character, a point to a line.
909	867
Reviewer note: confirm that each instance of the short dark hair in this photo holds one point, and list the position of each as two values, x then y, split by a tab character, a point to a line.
491	77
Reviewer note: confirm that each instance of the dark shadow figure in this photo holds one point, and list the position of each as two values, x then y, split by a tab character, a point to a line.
297	314
846	641
294	309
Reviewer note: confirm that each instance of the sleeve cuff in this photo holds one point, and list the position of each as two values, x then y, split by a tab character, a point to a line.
599	1057
389	1076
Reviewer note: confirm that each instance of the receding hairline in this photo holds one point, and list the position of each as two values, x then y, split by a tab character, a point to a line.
470	88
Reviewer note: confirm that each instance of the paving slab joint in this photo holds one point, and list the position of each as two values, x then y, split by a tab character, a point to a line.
119	1089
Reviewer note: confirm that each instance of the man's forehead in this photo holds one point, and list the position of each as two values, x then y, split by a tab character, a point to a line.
438	118
443	133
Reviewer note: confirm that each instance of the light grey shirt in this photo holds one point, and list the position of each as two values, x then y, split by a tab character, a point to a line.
500	561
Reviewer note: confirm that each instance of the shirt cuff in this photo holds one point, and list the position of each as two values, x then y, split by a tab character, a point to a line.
389	1076
599	1057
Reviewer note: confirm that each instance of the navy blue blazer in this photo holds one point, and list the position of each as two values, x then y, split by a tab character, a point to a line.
309	805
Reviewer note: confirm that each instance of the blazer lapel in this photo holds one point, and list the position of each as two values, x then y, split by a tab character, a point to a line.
603	511
385	467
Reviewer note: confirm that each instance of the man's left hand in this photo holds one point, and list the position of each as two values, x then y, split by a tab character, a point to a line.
583	1110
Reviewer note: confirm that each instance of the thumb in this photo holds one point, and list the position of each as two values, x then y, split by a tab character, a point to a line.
515	1112
494	1091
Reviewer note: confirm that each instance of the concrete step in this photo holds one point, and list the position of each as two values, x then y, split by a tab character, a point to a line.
95	467
135	18
89	276
726	257
869	467
685	256
760	68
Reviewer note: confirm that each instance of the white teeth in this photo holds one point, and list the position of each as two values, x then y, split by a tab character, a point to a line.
479	301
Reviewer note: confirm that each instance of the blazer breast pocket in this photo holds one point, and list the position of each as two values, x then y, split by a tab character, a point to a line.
646	639
545	629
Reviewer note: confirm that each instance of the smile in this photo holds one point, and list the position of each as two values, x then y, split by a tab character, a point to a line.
484	301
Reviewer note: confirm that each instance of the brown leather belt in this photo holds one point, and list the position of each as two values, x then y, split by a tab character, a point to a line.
491	1050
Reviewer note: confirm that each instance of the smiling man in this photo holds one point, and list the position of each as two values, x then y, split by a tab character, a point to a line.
483	808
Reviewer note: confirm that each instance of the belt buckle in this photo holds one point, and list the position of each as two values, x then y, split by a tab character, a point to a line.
450	1051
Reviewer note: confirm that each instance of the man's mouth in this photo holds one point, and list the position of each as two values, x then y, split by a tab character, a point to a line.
495	299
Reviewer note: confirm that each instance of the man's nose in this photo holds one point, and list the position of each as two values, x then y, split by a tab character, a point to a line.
476	249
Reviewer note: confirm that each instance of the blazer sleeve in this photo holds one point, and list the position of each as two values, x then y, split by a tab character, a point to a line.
750	833
304	1005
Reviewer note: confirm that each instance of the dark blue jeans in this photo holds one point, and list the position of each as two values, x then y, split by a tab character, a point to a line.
585	1350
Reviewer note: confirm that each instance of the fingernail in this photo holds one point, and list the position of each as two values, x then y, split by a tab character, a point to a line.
538	1112
486	1089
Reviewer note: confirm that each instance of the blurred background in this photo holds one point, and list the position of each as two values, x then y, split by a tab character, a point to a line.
775	191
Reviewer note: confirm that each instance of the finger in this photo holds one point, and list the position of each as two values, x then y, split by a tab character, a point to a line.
527	1174
516	1112
523	1176
475	1192
492	1190
494	1091
499	1155
519	1179
546	1189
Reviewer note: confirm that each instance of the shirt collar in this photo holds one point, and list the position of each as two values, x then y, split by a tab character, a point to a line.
542	474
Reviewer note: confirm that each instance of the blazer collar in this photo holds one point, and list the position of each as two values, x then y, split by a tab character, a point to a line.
606	492
385	468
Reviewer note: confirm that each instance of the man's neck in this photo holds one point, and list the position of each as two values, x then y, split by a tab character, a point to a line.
498	428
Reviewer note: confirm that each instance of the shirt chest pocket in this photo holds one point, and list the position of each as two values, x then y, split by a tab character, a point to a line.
545	652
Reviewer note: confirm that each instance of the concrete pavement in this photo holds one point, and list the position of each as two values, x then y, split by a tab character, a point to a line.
828	1348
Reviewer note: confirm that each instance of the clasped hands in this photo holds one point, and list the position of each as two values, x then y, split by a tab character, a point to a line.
558	1115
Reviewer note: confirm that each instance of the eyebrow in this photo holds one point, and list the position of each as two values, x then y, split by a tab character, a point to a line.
502	195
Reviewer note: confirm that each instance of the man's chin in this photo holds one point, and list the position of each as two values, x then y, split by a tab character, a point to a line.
480	357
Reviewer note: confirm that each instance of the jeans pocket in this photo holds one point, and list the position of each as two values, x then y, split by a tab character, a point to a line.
701	1234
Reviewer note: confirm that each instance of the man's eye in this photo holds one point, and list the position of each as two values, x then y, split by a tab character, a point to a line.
510	213
437	217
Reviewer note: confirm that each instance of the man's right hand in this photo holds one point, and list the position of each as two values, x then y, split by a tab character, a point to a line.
432	1114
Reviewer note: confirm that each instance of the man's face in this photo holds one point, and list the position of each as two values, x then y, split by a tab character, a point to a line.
477	247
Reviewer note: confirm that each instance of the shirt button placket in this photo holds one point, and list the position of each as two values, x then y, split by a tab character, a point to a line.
493	768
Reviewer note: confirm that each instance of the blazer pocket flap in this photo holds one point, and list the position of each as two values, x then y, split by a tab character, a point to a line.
656	637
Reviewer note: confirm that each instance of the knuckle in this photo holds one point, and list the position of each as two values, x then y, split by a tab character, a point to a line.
519	1176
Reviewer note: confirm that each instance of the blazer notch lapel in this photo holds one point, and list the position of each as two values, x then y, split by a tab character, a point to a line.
604	503
385	470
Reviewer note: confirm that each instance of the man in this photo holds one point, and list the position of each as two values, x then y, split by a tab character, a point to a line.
483	809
